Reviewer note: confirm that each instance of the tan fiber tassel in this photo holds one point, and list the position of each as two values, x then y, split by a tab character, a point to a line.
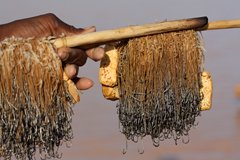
161	84
108	78
35	102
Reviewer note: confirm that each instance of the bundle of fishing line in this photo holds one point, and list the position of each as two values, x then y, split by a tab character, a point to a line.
160	83
35	101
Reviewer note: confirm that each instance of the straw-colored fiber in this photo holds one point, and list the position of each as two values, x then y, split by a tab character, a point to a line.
159	81
35	105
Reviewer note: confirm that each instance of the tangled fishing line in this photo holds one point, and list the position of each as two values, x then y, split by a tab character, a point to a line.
159	85
35	105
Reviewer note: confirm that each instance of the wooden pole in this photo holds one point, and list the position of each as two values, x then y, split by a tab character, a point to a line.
103	37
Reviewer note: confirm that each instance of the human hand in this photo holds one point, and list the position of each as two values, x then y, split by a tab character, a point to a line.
50	25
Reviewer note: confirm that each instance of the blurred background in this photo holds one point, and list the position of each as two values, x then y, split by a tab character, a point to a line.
95	123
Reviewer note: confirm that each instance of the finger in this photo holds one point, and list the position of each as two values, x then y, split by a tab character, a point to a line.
71	30
63	53
95	54
83	83
49	24
72	55
89	29
71	70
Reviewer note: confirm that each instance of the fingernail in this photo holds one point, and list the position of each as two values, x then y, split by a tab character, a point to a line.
84	83
98	53
63	55
70	70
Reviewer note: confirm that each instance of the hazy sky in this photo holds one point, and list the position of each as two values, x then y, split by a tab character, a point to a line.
111	13
95	116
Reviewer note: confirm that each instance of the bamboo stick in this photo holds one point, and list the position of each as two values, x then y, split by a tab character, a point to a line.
103	37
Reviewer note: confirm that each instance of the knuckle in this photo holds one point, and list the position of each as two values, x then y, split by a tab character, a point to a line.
54	23
51	16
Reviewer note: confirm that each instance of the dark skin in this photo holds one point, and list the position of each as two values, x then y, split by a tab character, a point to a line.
50	25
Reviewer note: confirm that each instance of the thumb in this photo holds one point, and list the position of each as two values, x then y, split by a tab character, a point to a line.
71	30
82	30
89	29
